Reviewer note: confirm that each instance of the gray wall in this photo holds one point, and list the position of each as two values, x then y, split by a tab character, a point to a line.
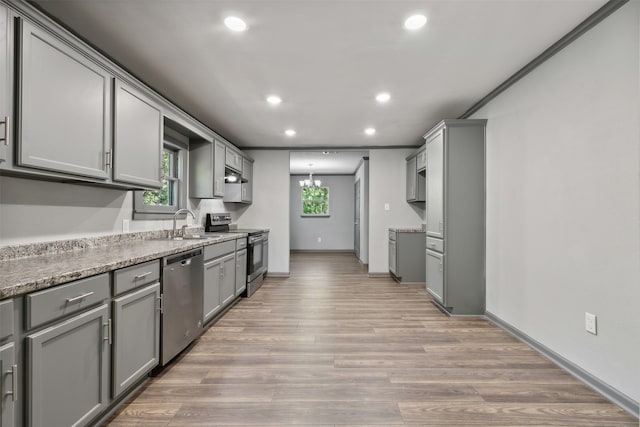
387	186
563	208
334	232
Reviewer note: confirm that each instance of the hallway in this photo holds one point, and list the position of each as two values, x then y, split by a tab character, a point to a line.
330	346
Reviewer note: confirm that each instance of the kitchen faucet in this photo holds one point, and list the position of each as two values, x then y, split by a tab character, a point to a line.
175	216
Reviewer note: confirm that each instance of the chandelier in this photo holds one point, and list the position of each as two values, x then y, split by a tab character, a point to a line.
310	182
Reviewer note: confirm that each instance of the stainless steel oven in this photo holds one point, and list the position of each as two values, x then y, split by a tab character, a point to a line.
255	250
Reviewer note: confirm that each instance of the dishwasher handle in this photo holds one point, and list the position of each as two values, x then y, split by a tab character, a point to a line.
183	258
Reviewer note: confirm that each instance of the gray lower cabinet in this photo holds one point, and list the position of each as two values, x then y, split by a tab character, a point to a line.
435	275
455	249
8	385
211	293
137	139
5	89
55	131
68	370
406	260
136	336
241	271
206	169
227	278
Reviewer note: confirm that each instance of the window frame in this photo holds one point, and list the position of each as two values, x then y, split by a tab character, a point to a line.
148	212
327	201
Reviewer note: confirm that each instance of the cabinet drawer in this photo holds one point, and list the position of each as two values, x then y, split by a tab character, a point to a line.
6	319
137	275
435	244
219	249
241	243
50	304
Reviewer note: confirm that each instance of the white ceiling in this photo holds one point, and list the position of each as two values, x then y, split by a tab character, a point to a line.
326	162
327	59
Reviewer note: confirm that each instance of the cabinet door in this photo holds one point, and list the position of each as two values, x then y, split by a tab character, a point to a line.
241	271
218	168
233	160
435	185
228	278
5	90
136	336
8	385
137	139
247	187
211	292
411	179
392	257
64	104
68	370
435	275
421	160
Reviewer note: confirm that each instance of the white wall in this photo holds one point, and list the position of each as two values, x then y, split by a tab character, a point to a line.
387	185
270	206
362	177
336	231
563	208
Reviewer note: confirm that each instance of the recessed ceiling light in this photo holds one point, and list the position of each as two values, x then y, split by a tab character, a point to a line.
415	22
274	99
369	131
235	24
383	97
290	132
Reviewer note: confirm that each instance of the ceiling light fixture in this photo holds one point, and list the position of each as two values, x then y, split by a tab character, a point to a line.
290	132
415	22
370	131
235	24
383	97
274	99
310	182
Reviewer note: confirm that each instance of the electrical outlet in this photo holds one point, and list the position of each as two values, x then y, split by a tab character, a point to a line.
590	323
319	239
125	225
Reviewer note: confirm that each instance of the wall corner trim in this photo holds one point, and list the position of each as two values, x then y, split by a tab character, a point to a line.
608	392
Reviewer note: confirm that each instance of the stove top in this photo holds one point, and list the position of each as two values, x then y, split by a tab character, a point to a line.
219	223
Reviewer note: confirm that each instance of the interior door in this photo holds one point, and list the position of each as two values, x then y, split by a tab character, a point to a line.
356	219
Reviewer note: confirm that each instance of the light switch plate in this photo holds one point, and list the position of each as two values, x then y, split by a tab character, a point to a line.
590	323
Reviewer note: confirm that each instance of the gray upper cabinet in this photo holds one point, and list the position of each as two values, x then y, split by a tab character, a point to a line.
421	160
415	180
455	249
211	293
56	132
435	184
8	385
136	336
247	176
137	139
68	370
5	89
206	169
233	160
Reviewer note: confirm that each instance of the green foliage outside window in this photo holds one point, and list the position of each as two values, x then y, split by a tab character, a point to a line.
162	197
315	200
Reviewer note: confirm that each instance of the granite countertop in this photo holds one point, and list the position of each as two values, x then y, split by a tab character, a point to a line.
27	274
407	229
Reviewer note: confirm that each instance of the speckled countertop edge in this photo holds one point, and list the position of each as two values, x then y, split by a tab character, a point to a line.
32	273
407	229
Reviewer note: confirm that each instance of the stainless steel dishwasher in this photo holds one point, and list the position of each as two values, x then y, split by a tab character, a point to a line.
181	302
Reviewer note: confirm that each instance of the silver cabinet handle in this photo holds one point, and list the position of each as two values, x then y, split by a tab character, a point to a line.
159	304
79	297
14	382
108	338
5	137
432	245
142	276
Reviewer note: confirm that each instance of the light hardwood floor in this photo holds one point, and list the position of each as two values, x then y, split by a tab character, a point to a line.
330	346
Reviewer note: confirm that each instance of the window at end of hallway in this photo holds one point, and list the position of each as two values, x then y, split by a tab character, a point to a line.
315	201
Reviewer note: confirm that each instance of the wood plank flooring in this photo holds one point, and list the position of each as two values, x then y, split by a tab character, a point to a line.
331	347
